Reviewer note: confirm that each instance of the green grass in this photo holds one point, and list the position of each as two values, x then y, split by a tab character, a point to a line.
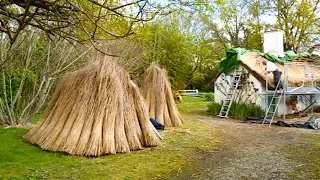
192	105
308	158
21	160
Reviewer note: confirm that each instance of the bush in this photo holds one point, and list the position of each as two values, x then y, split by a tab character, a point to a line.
214	107
238	110
245	110
209	96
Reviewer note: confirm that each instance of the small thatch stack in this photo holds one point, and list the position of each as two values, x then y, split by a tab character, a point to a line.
95	111
156	89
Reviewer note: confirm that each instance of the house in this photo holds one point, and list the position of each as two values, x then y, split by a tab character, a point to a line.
300	77
302	83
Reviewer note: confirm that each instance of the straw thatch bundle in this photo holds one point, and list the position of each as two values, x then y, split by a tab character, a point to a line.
296	71
95	111
156	89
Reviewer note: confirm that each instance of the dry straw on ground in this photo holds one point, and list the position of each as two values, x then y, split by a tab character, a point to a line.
156	89
95	111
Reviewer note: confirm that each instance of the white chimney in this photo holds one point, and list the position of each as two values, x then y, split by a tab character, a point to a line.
273	43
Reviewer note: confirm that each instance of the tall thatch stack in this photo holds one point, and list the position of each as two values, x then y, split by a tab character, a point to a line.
95	111
156	89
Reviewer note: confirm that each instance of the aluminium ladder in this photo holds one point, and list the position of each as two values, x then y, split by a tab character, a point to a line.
235	81
273	106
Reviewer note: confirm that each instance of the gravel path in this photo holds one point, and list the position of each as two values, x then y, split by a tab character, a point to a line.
249	151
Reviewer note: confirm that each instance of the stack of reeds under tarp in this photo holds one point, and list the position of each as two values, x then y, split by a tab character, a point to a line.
95	111
156	89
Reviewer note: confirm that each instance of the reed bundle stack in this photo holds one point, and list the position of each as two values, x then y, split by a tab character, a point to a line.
157	92
95	111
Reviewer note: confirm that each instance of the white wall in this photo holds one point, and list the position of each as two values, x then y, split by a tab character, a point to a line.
219	96
283	108
257	84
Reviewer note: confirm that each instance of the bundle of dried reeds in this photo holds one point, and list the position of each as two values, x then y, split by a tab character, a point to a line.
95	111
156	89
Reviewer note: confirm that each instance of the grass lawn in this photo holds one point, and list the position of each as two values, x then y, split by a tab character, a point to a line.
192	105
21	160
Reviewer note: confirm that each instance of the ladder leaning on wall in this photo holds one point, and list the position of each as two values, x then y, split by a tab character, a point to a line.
235	83
273	105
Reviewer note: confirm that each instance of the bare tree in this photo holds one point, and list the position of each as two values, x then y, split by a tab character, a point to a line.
75	20
35	66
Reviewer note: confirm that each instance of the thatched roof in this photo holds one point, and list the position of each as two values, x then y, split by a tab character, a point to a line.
156	89
95	111
296	70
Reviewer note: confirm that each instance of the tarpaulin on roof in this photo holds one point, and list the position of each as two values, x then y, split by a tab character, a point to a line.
305	54
289	56
271	58
231	60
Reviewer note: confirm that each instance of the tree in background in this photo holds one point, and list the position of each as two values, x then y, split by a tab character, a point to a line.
237	23
233	15
253	29
207	52
299	19
164	44
35	64
243	22
180	44
207	56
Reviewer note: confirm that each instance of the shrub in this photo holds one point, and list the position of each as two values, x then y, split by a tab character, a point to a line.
214	107
238	109
209	96
245	110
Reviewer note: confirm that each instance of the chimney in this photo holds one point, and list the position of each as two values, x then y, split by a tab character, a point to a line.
273	43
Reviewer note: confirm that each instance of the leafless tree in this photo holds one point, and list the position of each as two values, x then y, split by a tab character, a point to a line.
27	81
75	20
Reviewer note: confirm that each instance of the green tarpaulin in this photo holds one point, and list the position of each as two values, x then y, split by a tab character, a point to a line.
271	58
232	58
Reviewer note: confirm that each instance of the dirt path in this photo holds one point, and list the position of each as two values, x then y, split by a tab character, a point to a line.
252	151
